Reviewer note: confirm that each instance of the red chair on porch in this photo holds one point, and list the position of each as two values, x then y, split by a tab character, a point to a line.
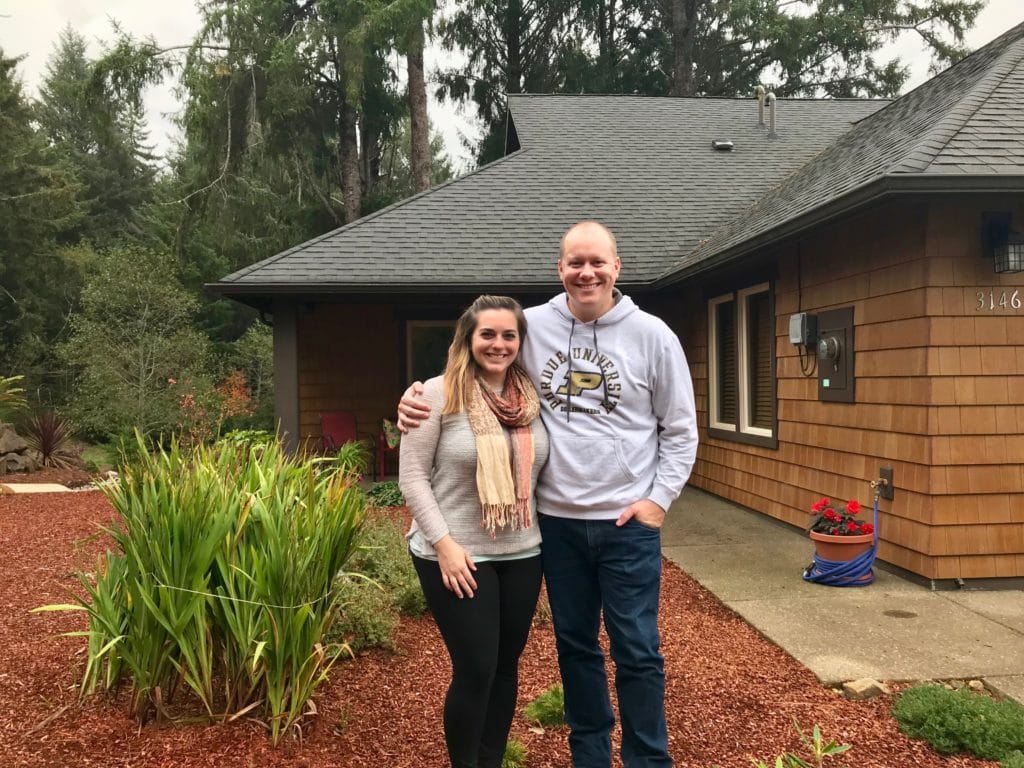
336	429
387	442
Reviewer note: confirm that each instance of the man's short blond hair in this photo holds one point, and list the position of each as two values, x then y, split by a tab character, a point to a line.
587	224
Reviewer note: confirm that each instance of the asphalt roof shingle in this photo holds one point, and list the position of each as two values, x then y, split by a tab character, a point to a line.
645	167
961	124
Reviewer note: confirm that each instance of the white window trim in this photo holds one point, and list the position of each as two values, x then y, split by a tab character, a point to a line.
714	364
742	361
743	358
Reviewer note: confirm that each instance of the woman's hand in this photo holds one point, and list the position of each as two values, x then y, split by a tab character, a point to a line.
456	567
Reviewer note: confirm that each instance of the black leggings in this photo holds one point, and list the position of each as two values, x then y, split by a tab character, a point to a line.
485	634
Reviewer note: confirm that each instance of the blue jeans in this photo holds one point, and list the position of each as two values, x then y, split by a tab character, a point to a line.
592	567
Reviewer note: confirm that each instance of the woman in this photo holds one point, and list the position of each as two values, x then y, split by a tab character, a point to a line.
468	475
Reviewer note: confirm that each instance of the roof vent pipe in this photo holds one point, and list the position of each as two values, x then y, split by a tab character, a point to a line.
759	92
770	98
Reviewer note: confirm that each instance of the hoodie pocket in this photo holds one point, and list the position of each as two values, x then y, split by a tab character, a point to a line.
588	463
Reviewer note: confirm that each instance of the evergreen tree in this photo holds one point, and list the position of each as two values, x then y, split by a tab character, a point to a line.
38	194
102	141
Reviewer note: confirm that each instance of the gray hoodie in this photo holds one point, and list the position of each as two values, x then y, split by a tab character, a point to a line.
617	401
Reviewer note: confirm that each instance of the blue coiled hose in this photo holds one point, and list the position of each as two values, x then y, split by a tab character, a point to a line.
851	573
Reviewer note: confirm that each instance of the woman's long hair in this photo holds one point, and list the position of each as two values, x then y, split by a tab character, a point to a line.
461	369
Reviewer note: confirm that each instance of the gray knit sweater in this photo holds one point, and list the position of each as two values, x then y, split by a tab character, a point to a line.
437	474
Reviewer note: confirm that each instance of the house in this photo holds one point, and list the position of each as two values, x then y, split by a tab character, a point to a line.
879	237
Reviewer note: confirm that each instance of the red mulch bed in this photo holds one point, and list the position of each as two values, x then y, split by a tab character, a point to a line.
732	694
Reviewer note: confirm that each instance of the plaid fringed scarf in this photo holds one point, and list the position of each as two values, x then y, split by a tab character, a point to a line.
504	485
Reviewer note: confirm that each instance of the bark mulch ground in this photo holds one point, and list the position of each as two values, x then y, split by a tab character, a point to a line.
732	694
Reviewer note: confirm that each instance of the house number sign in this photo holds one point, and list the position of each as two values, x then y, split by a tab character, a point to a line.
991	300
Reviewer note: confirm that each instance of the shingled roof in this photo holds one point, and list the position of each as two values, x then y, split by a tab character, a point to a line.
644	166
961	130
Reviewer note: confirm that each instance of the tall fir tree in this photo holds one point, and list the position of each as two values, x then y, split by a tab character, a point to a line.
38	207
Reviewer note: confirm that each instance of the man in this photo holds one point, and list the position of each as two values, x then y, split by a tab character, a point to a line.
617	401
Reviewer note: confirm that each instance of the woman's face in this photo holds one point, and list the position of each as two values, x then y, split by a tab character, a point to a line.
495	343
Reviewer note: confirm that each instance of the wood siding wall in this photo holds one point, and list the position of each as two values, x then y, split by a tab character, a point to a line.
349	359
939	389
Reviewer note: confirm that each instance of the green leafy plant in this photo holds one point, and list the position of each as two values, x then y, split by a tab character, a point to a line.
379	585
12	397
515	755
1013	760
49	435
99	457
352	458
223	569
382	555
386	494
961	721
258	437
548	709
819	750
366	617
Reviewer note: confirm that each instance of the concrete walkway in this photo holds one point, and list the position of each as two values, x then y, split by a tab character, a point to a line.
892	630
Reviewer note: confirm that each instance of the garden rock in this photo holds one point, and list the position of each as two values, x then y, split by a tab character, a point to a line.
865	688
11	441
17	462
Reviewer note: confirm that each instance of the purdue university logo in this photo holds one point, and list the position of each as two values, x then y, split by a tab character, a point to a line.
580	386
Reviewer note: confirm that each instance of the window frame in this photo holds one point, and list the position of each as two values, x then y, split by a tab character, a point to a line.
413	328
744	430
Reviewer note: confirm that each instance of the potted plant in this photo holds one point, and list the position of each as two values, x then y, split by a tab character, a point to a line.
840	537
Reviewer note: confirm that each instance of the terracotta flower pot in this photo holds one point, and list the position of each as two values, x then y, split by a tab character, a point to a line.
841	548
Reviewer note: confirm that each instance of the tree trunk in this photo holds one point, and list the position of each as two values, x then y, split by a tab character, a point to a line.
684	31
514	48
418	121
351	188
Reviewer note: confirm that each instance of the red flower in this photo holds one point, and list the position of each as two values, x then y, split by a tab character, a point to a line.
852	526
853	506
867	528
819	505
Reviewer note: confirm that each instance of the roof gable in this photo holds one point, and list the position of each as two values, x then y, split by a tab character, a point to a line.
961	124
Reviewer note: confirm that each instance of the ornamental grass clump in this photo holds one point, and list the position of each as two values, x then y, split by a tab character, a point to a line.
222	580
838	522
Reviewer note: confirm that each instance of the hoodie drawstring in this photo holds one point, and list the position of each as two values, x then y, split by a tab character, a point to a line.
568	375
604	382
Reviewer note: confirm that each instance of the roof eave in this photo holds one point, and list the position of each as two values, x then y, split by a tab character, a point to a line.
887	186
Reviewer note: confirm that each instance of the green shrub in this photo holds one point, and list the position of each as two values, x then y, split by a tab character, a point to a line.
366	618
224	569
548	709
259	437
383	556
515	755
1013	760
386	494
98	458
961	721
379	584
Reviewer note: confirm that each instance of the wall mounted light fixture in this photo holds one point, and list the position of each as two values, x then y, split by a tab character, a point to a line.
1001	243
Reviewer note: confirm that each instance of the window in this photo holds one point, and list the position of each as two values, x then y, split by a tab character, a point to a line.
741	381
426	347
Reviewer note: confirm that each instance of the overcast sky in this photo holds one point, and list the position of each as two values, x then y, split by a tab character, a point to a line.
31	28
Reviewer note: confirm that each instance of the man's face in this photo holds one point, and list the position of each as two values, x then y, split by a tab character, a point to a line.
588	269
